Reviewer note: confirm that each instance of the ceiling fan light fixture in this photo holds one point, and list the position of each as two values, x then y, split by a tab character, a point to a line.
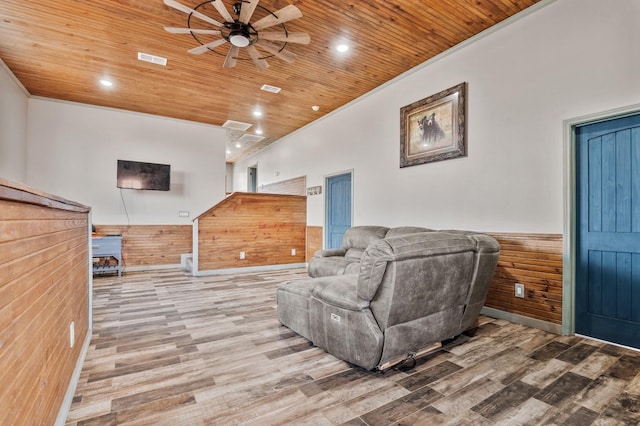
239	39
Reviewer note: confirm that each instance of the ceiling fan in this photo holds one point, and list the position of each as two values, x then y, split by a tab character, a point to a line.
242	34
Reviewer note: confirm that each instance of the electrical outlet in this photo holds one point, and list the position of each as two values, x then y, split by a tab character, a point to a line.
293	252
72	334
241	255
183	213
520	290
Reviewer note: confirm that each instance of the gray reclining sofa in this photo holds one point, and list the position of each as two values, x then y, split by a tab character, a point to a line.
410	291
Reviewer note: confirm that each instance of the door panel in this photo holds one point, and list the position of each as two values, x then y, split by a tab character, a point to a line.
608	231
338	209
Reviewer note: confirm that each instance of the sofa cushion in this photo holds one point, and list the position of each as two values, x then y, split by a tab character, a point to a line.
330	252
292	299
330	266
404	230
354	253
362	236
339	291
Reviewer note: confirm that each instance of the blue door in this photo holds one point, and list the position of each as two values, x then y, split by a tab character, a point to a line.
338	209
608	230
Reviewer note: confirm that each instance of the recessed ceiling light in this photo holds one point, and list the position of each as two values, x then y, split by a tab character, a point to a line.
258	131
257	113
315	108
228	151
106	83
342	48
238	145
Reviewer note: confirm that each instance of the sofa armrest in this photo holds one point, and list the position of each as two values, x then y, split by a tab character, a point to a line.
330	252
339	291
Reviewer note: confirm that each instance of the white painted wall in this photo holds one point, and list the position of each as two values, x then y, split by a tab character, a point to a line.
73	151
566	59
13	127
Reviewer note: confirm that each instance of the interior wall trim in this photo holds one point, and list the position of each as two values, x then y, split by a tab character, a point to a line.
63	413
248	269
569	202
142	268
522	320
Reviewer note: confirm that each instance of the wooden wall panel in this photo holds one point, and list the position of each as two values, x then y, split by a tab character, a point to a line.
146	245
265	226
314	240
295	186
534	260
44	282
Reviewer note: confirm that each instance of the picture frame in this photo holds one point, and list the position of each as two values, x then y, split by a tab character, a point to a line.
434	128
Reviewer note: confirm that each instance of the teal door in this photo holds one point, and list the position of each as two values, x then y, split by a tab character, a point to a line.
608	231
338	218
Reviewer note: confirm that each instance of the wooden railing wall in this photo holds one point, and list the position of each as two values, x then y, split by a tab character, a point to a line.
44	282
534	260
266	227
151	245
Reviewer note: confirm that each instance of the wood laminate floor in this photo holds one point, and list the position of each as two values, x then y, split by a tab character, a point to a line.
171	349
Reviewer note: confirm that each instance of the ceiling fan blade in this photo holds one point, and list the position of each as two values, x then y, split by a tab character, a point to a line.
205	47
176	30
285	55
230	60
283	15
255	56
246	10
222	10
182	8
302	38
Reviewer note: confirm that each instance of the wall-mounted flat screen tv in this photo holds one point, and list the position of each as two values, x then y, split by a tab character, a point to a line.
138	175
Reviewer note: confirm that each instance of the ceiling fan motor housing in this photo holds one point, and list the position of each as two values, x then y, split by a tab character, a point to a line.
239	34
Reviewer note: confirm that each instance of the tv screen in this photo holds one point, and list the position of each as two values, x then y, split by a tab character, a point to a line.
137	175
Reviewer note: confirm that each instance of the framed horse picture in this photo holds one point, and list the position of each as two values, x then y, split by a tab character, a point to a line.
434	128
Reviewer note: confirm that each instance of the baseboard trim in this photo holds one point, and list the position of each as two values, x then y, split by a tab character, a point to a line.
521	319
151	267
71	389
264	268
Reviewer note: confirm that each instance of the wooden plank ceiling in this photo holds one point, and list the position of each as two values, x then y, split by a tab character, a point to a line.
61	48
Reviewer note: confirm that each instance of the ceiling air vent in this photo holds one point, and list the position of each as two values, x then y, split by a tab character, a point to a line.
272	89
246	138
152	58
236	125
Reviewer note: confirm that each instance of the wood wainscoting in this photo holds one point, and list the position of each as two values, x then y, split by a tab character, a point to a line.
314	240
266	227
44	287
151	245
534	260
